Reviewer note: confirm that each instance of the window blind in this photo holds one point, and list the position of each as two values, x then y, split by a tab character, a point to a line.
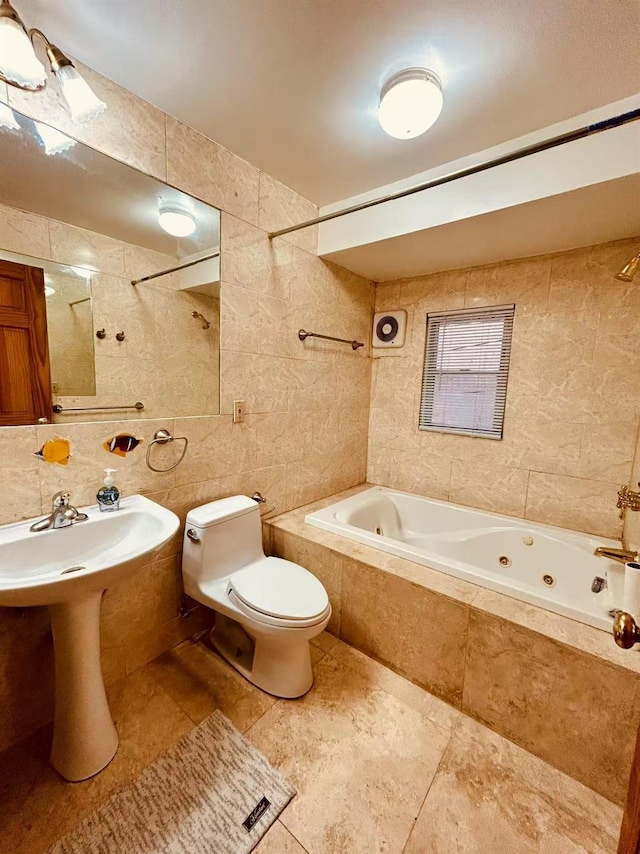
466	369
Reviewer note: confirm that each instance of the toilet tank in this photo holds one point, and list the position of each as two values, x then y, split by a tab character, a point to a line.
220	538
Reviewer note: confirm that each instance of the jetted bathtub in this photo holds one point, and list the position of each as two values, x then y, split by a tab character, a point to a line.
550	567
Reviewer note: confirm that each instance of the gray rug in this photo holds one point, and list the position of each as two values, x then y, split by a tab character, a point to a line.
212	793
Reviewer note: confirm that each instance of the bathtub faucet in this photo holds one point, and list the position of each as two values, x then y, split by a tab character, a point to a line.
627	499
619	555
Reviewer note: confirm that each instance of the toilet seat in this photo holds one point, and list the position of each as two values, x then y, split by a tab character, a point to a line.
279	592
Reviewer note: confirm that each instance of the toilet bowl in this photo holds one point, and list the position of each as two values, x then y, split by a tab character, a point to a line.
267	609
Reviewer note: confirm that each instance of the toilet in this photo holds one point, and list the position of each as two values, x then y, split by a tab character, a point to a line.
267	609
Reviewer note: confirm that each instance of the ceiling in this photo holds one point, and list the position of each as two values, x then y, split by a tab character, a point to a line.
594	214
293	85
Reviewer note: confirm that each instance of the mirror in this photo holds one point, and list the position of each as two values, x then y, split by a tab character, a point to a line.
109	286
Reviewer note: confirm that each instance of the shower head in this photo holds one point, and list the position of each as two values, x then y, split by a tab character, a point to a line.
626	273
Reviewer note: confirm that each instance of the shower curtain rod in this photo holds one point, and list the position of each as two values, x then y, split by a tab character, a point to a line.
135	282
536	148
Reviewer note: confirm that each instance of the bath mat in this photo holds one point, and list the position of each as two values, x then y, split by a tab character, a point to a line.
212	793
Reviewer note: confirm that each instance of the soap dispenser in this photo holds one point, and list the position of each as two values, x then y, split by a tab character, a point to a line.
109	495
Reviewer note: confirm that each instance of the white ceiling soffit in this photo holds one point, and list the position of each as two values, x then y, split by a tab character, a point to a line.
596	214
293	85
449	227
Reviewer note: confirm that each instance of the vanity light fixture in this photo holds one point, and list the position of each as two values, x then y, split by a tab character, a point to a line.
19	66
7	118
410	103
176	220
53	140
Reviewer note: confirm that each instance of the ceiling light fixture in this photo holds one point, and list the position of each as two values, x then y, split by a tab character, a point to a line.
410	103
83	272
19	66
175	220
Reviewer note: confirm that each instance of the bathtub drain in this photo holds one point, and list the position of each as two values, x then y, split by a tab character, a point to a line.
503	560
379	531
549	580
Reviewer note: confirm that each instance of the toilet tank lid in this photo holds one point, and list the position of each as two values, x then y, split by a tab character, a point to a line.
221	510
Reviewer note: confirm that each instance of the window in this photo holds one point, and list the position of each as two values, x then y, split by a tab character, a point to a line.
466	366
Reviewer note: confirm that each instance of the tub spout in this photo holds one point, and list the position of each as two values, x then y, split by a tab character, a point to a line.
619	555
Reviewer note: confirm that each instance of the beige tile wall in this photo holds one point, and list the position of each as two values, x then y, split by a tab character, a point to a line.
307	403
573	401
166	360
71	336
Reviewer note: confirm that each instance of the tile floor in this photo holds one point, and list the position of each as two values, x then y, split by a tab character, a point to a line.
379	764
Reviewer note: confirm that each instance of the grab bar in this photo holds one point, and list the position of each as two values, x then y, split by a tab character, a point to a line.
61	410
302	334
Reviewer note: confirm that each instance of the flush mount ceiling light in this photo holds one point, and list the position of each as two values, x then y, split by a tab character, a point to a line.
19	66
175	220
83	272
410	103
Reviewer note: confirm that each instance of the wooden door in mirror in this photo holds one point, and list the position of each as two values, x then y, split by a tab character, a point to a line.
25	378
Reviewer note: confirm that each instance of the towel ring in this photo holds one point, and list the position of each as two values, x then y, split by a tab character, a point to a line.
163	437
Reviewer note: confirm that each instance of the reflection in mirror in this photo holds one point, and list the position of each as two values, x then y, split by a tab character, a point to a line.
69	312
76	229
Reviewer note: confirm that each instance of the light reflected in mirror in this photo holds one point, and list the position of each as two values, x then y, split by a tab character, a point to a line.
76	229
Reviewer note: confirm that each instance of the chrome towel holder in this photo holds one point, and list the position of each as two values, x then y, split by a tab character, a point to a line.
61	409
164	437
302	334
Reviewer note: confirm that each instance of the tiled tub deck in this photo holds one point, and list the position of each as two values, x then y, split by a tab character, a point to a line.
560	689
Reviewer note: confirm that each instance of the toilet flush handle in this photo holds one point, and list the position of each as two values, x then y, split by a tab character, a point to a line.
192	535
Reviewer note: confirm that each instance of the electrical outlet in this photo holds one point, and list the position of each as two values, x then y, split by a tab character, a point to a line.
238	411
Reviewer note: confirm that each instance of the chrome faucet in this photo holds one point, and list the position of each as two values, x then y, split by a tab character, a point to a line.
62	514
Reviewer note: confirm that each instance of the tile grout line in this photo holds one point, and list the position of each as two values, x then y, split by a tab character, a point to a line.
470	607
290	832
430	786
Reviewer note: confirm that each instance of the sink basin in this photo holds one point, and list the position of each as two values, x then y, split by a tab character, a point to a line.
63	564
68	569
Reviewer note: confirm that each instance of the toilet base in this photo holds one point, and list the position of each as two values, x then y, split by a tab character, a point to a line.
277	660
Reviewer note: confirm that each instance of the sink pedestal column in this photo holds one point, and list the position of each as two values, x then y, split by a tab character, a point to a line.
84	737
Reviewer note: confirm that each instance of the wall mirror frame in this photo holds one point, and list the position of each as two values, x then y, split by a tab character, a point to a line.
109	286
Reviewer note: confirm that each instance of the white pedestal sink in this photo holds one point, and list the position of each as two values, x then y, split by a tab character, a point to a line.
68	569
